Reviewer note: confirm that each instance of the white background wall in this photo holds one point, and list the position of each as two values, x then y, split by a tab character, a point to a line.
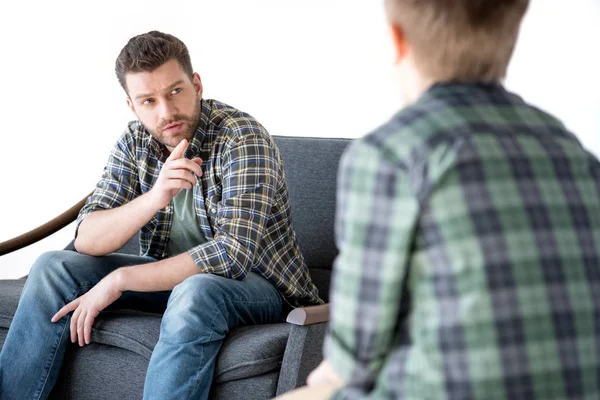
310	68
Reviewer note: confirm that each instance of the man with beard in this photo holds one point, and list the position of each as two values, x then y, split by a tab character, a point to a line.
203	183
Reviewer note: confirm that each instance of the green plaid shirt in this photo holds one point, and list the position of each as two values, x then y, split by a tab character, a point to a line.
469	236
241	201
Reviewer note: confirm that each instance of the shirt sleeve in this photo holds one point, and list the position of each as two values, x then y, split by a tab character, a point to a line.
249	180
119	183
375	219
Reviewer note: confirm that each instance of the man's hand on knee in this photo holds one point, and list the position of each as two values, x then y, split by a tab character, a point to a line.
87	307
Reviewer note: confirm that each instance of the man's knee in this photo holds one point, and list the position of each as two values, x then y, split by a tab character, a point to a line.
195	310
198	290
49	273
61	267
50	264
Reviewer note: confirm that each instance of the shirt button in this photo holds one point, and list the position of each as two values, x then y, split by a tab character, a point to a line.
168	209
213	210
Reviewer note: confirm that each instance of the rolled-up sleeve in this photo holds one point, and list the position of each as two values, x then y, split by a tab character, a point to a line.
119	183
376	214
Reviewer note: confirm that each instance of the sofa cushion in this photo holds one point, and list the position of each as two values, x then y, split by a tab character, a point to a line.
99	372
10	290
247	350
311	166
312	188
251	350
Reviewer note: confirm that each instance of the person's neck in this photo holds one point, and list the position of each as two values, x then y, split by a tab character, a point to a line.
415	85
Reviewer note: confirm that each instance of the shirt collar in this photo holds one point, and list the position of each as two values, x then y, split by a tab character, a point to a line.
481	85
195	148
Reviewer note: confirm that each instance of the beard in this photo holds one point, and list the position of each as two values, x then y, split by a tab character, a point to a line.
190	124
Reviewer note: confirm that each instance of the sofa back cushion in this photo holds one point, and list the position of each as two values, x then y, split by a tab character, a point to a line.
311	166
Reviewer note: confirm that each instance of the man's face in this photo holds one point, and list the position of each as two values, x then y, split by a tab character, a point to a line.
166	101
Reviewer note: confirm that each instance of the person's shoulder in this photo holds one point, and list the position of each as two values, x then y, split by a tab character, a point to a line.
440	120
136	130
133	131
538	117
233	122
134	136
415	142
405	132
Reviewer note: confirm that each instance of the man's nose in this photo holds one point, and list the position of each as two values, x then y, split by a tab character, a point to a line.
166	111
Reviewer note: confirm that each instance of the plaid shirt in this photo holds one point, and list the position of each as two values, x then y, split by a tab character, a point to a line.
469	236
241	200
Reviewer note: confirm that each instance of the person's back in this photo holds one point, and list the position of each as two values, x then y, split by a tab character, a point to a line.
502	268
468	228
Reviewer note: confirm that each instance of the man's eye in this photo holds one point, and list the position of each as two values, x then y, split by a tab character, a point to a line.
148	101
176	90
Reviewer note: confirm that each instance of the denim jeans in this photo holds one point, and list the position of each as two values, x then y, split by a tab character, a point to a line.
198	313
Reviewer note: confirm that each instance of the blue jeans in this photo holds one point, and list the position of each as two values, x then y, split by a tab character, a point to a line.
198	313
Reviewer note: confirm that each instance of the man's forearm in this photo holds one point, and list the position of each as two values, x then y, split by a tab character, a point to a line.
157	276
105	231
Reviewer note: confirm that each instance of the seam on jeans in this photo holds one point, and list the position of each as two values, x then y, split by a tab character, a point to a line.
210	339
54	350
261	302
48	365
212	331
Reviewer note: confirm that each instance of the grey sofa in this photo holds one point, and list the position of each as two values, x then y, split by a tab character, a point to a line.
255	362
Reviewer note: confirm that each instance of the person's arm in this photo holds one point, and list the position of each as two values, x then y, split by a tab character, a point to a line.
119	185
250	174
105	231
161	275
249	177
114	213
176	174
376	215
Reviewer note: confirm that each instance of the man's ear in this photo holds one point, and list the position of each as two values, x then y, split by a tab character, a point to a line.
198	84
130	105
399	42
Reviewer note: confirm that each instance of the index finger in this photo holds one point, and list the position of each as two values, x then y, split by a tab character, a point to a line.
190	165
179	150
65	310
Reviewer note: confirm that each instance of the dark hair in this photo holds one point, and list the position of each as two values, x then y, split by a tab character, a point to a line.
149	51
460	39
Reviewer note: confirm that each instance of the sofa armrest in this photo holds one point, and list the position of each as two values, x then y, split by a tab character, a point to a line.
309	315
44	230
304	349
303	353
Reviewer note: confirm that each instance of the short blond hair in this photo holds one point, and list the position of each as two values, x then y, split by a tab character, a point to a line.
460	40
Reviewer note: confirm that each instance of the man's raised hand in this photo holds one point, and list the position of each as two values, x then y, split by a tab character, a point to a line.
177	173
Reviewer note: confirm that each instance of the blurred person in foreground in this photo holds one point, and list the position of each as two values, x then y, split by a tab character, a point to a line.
468	227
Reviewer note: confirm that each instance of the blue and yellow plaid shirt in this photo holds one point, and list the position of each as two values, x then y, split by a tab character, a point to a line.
241	200
469	236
